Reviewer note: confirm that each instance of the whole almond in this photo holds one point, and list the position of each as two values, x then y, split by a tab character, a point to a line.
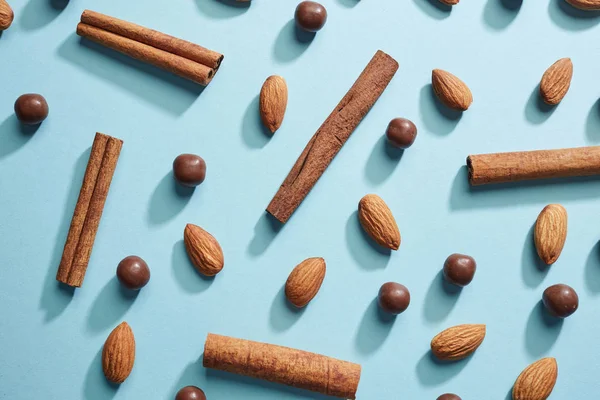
451	91
204	250
550	232
450	2
556	81
6	15
536	381
304	282
585	4
457	342
377	220
273	102
118	353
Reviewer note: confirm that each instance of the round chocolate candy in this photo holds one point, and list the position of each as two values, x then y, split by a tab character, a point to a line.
393	298
560	300
133	272
190	393
459	269
31	108
310	16
189	170
401	133
449	396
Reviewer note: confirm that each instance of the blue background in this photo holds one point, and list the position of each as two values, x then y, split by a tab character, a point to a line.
51	338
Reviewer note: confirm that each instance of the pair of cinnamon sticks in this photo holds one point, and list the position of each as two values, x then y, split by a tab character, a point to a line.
175	55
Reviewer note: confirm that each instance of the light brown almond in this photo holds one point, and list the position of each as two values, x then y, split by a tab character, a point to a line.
585	4
450	2
273	102
451	91
550	232
378	221
457	342
118	353
556	81
204	250
304	282
536	381
6	15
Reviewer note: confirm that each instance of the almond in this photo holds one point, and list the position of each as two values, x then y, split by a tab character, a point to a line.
377	220
6	15
451	91
536	381
273	102
204	250
457	342
118	353
450	2
585	4
556	81
304	282
550	232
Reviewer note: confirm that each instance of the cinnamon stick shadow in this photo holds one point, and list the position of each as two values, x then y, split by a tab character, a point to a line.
266	229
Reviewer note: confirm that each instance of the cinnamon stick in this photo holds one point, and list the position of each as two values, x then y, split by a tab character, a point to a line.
331	136
88	210
530	165
153	38
283	365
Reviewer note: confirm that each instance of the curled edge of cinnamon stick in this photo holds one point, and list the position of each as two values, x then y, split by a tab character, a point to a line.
284	365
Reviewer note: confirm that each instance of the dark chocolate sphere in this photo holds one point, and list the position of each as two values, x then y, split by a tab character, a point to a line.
310	16
393	298
190	393
560	300
459	269
189	170
31	108
449	396
401	133
133	272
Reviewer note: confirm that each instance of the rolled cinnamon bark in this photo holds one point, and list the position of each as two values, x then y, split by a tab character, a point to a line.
529	165
284	365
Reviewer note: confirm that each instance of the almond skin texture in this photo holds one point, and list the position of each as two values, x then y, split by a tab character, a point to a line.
550	232
118	353
377	220
6	15
457	342
536	381
556	81
585	4
304	282
273	102
451	91
204	250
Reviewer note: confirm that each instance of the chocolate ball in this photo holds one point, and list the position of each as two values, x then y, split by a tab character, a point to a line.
459	269
449	396
310	16
31	108
189	170
560	300
393	298
133	272
401	133
190	393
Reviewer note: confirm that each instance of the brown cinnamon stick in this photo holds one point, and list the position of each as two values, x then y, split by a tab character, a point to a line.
283	365
331	136
88	210
529	165
153	38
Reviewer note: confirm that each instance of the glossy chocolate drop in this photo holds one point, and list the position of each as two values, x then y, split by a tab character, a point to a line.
310	16
189	170
449	396
190	393
31	108
393	298
560	300
401	133
459	269
133	272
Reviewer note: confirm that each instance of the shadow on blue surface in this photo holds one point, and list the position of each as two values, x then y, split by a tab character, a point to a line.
437	118
383	160
168	91
499	14
38	13
168	199
592	123
440	299
185	273
592	270
570	18
110	306
434	8
291	42
363	249
374	329
283	314
536	110
266	229
254	133
223	8
14	135
95	386
349	3
533	269
191	376
433	372
541	331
